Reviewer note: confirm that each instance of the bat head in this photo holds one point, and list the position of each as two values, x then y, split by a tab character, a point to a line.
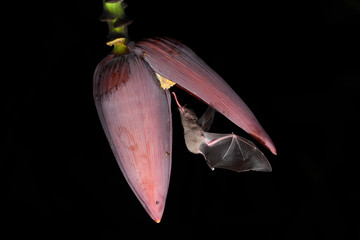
187	114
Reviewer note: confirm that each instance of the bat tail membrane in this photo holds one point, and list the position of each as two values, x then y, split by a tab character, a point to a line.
135	114
178	63
232	152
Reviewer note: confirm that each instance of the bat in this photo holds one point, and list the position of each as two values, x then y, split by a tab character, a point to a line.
227	151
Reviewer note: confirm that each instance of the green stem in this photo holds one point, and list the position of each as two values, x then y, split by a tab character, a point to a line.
115	17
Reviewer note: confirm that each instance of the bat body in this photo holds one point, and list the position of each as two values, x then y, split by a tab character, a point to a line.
227	151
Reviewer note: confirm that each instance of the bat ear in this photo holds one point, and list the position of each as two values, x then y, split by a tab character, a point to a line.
207	118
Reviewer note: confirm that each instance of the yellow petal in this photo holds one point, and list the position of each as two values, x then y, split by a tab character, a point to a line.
164	82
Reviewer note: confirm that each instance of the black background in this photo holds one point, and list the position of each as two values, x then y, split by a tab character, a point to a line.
295	63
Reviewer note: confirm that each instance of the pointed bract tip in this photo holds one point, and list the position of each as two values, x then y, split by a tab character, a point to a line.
156	215
271	147
268	144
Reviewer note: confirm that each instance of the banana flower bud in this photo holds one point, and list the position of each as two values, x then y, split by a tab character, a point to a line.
131	94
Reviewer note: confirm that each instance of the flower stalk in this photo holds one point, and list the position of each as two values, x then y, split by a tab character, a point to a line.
114	15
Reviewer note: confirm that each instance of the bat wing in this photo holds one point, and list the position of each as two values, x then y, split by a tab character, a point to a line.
207	118
232	152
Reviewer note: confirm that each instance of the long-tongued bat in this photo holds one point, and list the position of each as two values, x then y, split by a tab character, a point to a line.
227	151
